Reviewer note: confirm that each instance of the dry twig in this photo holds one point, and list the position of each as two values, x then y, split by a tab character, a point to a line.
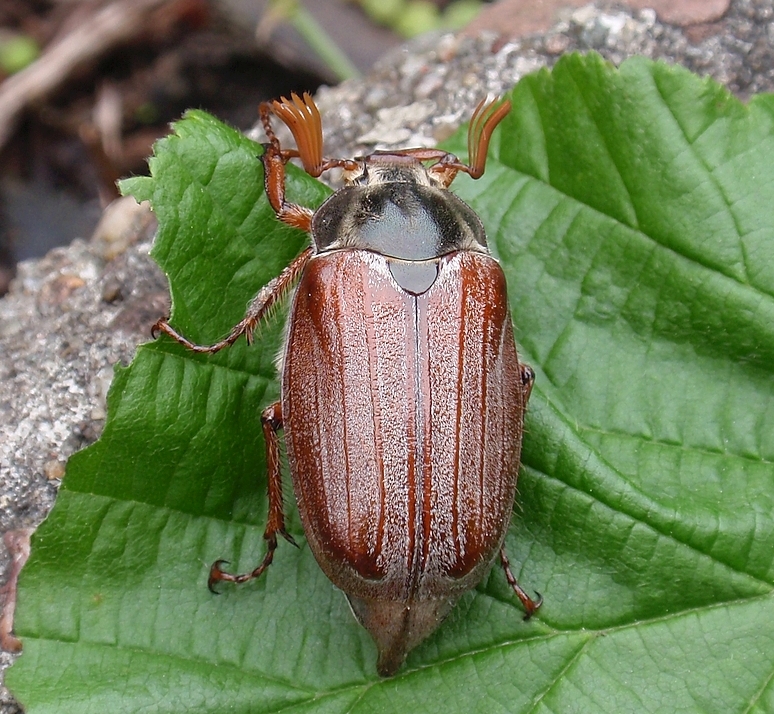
107	27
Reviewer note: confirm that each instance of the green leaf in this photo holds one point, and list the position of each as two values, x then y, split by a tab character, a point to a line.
631	211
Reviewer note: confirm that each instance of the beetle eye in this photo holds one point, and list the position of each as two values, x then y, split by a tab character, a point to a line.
362	178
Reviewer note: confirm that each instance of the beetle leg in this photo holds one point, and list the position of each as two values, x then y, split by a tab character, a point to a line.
530	606
527	379
267	297
271	420
303	119
274	160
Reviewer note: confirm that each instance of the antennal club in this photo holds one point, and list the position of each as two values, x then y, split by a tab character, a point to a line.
303	119
488	114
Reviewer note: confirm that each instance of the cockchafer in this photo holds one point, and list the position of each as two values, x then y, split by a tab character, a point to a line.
403	397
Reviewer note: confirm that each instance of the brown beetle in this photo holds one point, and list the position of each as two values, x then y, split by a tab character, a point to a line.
403	397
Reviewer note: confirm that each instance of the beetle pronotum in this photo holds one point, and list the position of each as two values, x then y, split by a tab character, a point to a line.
403	397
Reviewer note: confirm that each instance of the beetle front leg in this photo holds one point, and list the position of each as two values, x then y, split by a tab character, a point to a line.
530	606
274	160
271	420
303	119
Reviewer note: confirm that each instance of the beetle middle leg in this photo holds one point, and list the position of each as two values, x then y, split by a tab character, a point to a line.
267	297
271	420
303	119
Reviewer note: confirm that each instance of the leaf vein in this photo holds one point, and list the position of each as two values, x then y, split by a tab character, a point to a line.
660	442
648	505
712	180
562	673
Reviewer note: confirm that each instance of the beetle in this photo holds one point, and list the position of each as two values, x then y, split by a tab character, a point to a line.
402	395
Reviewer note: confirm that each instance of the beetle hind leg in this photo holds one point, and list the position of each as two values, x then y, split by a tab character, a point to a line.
271	419
530	606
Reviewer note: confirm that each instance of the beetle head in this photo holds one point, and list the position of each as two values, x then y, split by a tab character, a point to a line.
386	167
